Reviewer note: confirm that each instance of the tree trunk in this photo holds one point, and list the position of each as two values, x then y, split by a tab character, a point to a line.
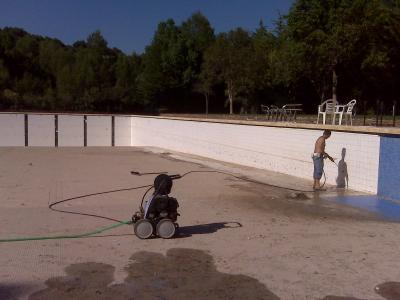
230	95
334	86
206	96
230	103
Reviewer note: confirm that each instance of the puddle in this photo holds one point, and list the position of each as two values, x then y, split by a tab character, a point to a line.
180	274
384	208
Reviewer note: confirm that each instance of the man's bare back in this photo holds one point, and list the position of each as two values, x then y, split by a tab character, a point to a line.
320	145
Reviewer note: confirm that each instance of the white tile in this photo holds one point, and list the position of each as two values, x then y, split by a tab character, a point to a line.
283	150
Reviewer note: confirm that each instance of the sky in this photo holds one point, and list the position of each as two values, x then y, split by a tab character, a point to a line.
128	24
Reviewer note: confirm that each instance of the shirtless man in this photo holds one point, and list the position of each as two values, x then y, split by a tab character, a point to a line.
318	158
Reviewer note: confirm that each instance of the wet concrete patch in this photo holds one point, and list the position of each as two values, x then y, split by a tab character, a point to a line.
389	290
289	203
299	196
286	199
180	274
383	208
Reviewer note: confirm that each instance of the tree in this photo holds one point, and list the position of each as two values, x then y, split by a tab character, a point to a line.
127	69
380	63
347	48
163	64
339	35
197	35
264	42
204	85
95	40
230	60
4	75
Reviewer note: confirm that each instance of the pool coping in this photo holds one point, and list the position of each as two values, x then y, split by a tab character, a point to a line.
338	128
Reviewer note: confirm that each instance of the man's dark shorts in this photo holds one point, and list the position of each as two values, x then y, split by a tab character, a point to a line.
318	166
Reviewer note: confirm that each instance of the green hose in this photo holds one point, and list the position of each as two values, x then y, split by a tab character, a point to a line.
57	237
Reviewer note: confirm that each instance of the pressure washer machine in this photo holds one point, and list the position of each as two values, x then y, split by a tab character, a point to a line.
158	215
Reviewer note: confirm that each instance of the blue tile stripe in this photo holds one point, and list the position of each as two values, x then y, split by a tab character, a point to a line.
389	167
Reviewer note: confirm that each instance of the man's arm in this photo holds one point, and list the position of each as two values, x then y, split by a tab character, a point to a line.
326	155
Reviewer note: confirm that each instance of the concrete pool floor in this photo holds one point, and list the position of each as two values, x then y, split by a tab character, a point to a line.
237	239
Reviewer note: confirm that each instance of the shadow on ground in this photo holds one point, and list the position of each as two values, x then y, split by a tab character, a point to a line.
180	274
187	231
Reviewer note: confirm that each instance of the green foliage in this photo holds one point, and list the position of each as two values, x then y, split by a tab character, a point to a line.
341	36
319	49
43	73
96	41
4	75
171	63
197	35
163	62
230	61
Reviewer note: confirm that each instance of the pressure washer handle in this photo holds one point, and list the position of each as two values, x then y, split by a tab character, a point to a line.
175	176
329	157
333	160
148	173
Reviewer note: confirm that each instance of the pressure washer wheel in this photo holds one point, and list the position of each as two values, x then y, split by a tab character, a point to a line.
143	229
166	228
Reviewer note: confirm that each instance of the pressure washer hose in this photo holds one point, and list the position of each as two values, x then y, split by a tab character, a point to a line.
82	235
121	223
59	237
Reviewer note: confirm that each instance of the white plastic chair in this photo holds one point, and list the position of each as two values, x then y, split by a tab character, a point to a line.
346	110
324	109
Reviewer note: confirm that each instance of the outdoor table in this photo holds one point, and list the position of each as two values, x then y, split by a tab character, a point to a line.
289	111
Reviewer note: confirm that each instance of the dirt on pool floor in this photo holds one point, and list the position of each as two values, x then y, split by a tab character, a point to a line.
237	239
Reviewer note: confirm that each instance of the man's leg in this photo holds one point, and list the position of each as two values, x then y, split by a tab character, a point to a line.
315	175
316	184
318	171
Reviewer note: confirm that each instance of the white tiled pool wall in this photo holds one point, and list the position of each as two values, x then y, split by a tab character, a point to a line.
284	150
12	130
41	130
